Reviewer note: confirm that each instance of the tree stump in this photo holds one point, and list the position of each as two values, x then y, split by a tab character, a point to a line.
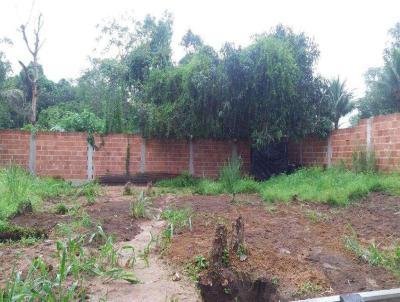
237	237
219	247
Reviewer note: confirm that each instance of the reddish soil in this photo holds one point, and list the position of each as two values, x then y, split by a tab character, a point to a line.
111	210
287	244
294	244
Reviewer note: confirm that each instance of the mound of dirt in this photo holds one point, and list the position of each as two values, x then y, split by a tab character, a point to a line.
298	245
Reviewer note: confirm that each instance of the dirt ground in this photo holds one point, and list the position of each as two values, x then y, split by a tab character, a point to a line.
287	245
295	244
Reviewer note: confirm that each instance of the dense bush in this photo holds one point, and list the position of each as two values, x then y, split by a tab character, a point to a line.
19	190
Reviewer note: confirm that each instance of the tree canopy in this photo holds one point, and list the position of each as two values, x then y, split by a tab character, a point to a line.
262	92
383	83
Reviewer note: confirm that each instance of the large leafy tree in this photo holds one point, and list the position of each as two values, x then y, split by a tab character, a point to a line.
340	98
383	83
264	92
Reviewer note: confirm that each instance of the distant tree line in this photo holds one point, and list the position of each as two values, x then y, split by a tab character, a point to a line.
263	92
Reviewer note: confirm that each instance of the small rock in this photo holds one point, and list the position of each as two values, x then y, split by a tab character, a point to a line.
372	282
176	277
329	266
243	257
284	251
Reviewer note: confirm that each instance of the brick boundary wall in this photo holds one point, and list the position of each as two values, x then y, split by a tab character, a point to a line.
68	154
380	134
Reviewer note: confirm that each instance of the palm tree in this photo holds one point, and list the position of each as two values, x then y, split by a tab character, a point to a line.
340	98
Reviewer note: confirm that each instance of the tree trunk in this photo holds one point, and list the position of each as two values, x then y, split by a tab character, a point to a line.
34	102
237	239
219	247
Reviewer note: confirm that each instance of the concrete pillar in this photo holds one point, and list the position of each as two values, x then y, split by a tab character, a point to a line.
143	156
191	157
90	151
369	135
329	151
32	154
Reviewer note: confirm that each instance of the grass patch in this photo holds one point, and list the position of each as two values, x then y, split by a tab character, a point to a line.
66	281
334	186
139	206
308	288
20	190
184	180
9	232
90	190
177	220
389	258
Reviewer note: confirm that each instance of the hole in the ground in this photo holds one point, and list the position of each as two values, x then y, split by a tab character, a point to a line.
15	233
227	285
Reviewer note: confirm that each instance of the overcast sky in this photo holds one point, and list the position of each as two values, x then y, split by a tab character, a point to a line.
351	34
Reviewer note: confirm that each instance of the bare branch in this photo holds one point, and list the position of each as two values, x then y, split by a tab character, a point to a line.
26	39
26	71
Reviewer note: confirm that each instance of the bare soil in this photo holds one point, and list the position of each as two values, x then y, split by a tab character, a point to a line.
112	210
295	244
288	246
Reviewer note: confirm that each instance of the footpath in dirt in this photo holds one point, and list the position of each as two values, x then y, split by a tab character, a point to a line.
112	210
155	277
298	248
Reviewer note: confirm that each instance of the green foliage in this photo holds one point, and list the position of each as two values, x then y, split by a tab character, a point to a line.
340	99
61	209
15	232
333	186
184	180
195	267
177	220
336	186
389	258
225	258
383	83
308	288
19	189
90	190
208	187
363	161
73	261
264	92
139	206
230	175
58	118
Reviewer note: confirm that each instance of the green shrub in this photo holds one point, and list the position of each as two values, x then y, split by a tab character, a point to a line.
184	180
61	209
20	191
90	190
177	220
12	232
208	187
139	206
247	185
68	280
363	161
230	175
